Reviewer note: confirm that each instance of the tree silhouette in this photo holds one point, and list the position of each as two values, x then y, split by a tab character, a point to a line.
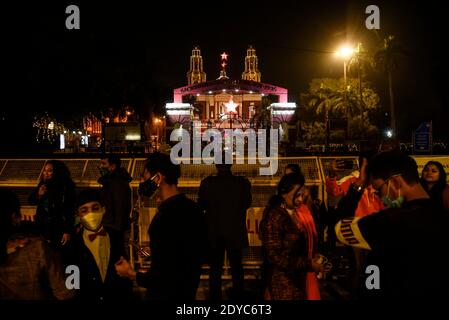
386	60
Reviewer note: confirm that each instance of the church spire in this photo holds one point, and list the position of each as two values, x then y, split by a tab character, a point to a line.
251	66
196	73
224	63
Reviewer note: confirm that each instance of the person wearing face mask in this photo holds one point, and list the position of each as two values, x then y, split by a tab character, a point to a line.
404	238
433	180
97	249
285	246
116	194
359	199
178	236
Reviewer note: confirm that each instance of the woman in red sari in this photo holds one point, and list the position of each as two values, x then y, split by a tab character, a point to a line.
304	221
288	258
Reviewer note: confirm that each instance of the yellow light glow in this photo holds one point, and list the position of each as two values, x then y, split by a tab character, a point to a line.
345	52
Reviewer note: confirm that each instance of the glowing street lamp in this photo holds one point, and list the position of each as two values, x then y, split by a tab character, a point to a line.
345	52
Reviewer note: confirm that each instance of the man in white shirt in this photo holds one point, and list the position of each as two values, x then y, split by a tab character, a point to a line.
97	250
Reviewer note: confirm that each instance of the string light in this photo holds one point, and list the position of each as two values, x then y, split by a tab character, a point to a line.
48	129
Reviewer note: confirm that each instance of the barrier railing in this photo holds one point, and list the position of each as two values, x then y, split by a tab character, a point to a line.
23	175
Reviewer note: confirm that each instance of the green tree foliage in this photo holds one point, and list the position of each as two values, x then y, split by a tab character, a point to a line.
361	63
328	98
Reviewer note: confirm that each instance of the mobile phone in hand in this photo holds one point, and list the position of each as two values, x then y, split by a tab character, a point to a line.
345	164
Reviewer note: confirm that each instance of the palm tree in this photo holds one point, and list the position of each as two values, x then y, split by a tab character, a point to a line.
360	63
333	101
386	60
324	102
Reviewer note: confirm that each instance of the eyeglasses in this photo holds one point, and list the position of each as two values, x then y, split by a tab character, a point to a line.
377	190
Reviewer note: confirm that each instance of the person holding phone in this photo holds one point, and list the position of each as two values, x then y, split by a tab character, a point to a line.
178	236
357	181
402	240
347	190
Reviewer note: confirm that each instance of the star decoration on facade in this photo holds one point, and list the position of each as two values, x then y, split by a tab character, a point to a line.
224	56
230	106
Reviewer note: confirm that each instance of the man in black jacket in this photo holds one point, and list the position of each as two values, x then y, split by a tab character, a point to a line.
96	250
116	194
177	237
405	240
225	199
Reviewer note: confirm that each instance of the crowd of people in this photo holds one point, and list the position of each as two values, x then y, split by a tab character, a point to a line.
384	213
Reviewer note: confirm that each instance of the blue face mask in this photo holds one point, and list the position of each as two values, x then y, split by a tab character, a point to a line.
389	203
393	203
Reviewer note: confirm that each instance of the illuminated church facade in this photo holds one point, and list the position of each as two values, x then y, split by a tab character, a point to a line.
226	103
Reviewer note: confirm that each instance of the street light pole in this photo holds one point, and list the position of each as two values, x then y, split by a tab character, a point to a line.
344	73
346	97
345	52
359	71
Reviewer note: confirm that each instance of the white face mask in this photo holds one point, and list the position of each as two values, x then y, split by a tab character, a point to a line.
92	220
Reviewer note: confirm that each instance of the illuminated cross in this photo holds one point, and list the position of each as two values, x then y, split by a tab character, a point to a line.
230	106
224	56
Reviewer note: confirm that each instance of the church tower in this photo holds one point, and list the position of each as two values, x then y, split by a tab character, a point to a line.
196	73
251	66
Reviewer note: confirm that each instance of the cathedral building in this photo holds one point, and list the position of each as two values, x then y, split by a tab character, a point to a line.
230	103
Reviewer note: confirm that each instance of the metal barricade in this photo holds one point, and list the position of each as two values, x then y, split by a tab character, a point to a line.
22	175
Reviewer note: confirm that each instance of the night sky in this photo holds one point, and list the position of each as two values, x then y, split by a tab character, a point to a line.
135	53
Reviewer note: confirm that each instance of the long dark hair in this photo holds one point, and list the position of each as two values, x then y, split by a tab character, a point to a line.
437	190
61	175
60	170
286	184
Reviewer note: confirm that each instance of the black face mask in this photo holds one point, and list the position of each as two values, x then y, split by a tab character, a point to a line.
148	187
103	171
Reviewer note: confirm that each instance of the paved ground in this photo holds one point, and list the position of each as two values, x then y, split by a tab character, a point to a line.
330	290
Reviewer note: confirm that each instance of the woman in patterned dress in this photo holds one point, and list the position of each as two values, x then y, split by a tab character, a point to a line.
285	246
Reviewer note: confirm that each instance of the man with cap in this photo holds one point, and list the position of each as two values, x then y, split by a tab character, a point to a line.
97	249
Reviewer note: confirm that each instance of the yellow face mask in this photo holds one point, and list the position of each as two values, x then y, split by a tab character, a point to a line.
92	220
